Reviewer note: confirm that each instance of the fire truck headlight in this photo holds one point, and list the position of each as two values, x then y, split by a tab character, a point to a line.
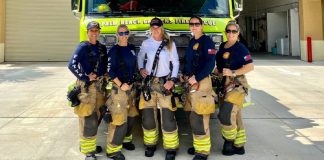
108	40
111	40
102	39
217	39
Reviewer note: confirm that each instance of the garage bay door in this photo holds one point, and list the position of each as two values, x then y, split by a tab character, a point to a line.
40	30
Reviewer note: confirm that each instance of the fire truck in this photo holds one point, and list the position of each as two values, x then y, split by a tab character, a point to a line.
175	14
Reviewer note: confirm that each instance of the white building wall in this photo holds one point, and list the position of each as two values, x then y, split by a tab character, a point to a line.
294	32
277	28
40	30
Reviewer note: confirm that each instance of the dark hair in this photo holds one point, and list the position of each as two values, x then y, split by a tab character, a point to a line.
93	24
156	22
200	20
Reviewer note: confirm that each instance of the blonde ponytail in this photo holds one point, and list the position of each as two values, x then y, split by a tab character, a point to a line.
166	36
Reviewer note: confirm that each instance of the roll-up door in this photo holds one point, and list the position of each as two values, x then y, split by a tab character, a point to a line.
40	30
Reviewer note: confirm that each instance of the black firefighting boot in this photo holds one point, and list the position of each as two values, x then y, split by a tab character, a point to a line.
149	151
98	149
90	156
200	157
191	150
129	146
117	156
170	155
228	148
239	150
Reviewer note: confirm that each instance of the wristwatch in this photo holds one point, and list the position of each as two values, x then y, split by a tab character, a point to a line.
233	73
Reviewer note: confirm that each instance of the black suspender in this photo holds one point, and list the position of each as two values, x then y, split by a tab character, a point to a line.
146	83
122	64
91	56
157	54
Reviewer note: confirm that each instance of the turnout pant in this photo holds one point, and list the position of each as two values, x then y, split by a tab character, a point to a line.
149	109
88	113
121	106
201	104
230	112
230	116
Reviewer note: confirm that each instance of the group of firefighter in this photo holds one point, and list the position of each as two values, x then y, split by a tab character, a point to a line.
156	65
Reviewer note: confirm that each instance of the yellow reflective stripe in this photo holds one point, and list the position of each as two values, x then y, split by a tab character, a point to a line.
170	140
87	150
150	137
169	146
248	99
246	104
88	145
240	141
82	140
241	132
202	145
241	137
113	149
229	135
202	141
128	139
180	105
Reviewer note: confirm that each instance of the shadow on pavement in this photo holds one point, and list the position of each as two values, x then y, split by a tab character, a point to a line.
22	72
272	131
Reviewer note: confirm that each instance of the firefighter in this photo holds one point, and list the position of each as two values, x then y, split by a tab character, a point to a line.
121	103
154	59
233	62
89	65
199	63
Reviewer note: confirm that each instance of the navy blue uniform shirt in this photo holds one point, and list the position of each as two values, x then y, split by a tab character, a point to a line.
118	55
80	64
233	58
206	62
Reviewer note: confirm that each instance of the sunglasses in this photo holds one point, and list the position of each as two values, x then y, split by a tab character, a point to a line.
231	31
195	24
123	33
